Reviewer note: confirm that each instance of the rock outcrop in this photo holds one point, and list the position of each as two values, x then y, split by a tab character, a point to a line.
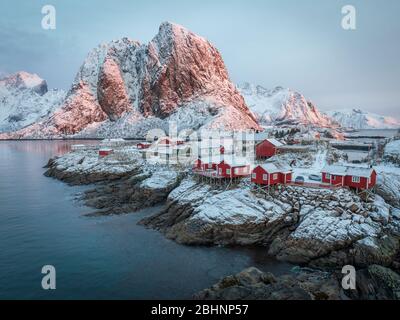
253	284
111	91
122	183
376	283
372	283
392	152
199	214
321	228
388	187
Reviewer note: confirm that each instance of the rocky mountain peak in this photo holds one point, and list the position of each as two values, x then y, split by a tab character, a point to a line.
282	106
24	81
125	88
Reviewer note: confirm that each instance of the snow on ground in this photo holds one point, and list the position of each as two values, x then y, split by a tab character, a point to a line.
393	148
388	183
321	226
235	207
314	169
89	162
160	180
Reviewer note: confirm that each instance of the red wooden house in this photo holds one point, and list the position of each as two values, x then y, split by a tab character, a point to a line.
349	176
267	148
143	145
170	141
234	167
103	152
164	141
271	174
207	163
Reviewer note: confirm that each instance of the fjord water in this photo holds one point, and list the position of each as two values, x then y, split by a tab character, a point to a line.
41	223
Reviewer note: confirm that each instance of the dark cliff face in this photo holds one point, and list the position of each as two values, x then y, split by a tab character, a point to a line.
41	89
182	66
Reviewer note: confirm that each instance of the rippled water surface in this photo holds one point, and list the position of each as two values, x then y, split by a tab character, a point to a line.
95	258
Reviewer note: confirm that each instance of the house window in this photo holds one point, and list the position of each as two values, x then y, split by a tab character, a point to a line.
355	179
254	175
220	171
228	171
333	177
327	176
275	176
265	177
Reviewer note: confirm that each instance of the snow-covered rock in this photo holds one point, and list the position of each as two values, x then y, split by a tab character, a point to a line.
200	214
128	183
252	284
326	236
318	227
388	185
282	106
25	99
85	167
392	152
359	119
127	88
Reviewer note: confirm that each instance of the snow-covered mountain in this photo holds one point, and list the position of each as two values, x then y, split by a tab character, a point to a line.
124	89
282	106
24	99
358	119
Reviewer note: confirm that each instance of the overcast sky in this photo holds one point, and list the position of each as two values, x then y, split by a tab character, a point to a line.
291	43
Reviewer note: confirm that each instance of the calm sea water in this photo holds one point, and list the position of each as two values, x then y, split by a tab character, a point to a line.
95	258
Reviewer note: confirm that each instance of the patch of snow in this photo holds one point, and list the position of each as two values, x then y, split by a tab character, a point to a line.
160	180
393	148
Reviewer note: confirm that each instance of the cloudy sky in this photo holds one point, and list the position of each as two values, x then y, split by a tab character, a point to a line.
268	42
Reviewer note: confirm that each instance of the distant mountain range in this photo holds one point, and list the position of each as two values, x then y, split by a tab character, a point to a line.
358	119
25	99
282	106
125	89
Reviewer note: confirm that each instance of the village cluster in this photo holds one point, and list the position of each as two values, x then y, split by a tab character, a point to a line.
232	157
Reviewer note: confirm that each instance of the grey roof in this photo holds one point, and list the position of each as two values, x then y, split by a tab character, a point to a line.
344	170
274	167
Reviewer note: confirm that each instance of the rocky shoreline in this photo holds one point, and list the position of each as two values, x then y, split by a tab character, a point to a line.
321	229
372	283
120	186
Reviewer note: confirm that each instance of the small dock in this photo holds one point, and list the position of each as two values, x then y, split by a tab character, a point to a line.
352	146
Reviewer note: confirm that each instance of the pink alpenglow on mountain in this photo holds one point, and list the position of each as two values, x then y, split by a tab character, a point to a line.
283	106
124	89
111	91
